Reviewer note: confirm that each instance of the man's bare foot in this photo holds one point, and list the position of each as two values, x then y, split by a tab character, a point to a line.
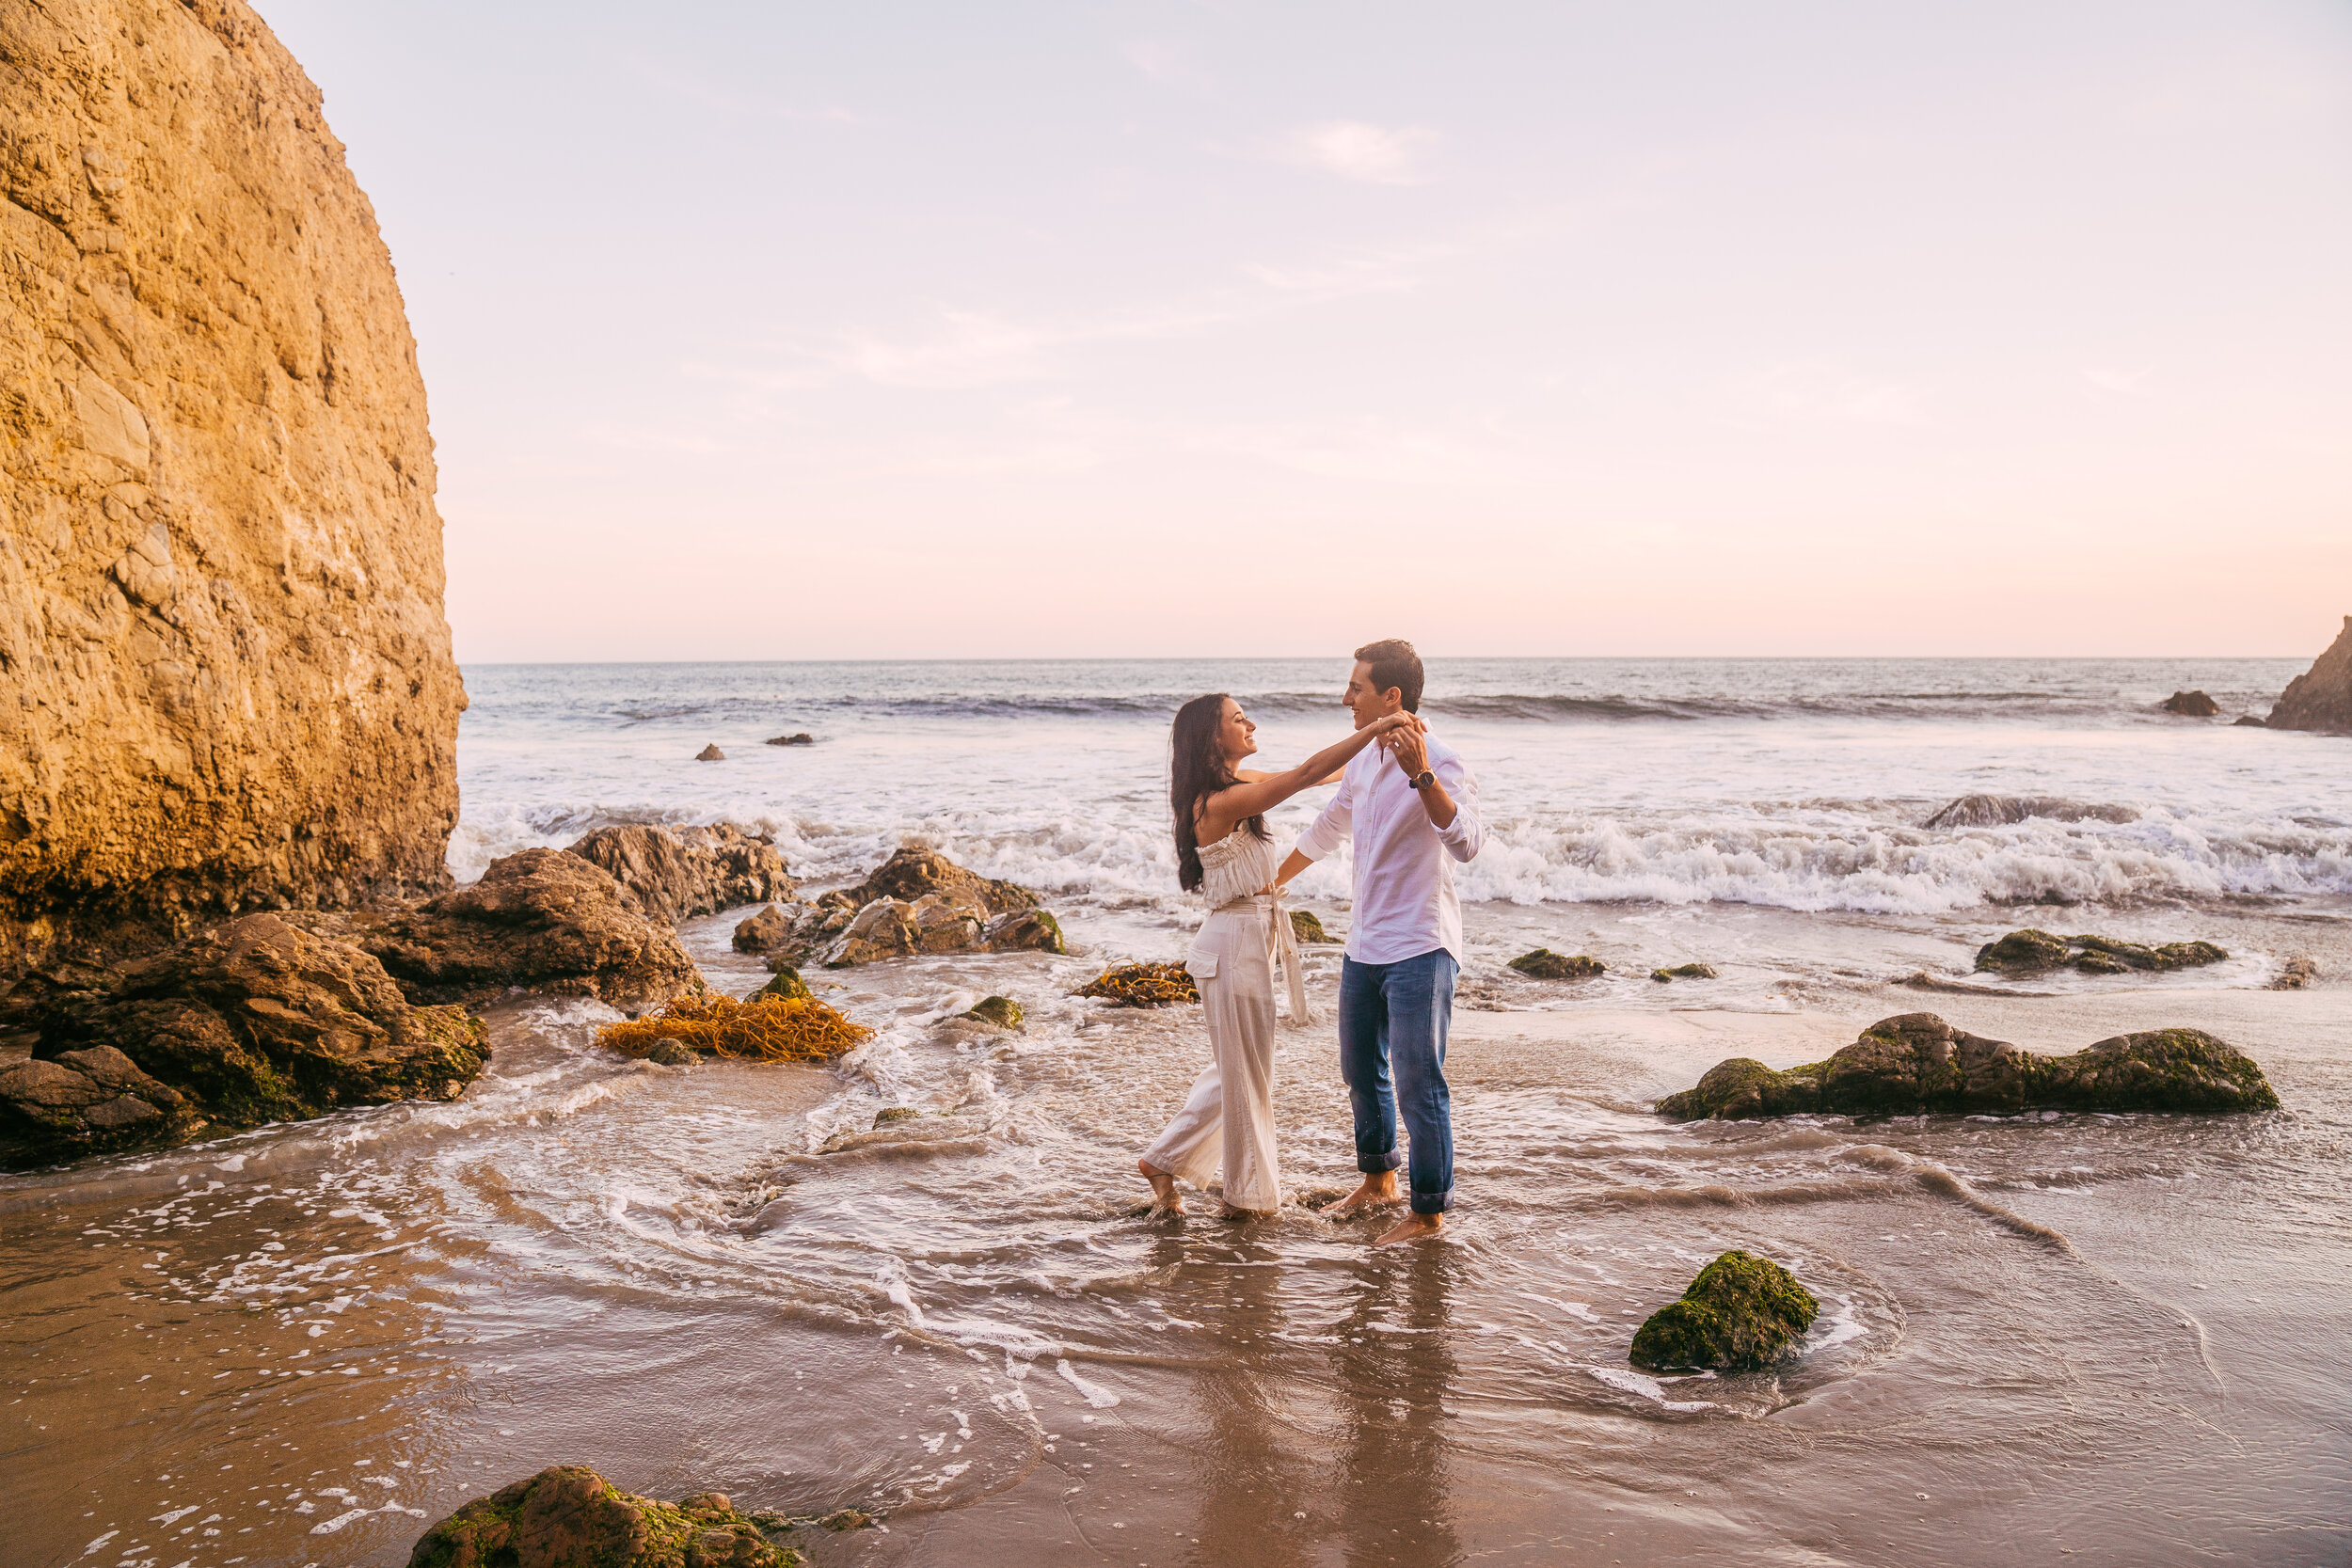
1165	1199
1412	1228
1374	1192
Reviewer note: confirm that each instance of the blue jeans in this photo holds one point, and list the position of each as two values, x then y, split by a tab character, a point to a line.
1395	1016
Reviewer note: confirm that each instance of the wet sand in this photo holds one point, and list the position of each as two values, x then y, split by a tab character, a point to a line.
2078	1338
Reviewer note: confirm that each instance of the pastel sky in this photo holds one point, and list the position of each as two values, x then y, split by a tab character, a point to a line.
779	330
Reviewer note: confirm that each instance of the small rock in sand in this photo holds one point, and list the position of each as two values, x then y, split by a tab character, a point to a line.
1685	971
1740	1314
710	754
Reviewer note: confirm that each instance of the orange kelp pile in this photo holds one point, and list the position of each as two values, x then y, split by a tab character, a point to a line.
1142	986
769	1029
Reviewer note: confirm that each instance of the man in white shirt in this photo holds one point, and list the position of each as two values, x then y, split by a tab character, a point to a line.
1412	809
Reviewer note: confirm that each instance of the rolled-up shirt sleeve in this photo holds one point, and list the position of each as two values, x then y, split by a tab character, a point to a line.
1330	829
1466	834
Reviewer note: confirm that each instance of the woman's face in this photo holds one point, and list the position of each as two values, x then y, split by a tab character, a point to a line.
1236	736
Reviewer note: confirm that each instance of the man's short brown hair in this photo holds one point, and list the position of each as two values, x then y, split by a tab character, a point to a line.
1393	662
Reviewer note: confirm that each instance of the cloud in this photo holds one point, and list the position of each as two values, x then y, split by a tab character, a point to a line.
1352	149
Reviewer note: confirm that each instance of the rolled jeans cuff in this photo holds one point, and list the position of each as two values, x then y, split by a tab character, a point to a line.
1373	1165
1433	1203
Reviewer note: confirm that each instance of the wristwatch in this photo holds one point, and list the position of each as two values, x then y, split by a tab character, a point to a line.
1424	779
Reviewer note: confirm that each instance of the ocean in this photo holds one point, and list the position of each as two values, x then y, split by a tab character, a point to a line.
2089	1338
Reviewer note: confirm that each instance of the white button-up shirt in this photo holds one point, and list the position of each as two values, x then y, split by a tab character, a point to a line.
1404	900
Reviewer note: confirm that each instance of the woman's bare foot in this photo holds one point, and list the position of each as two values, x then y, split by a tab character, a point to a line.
1412	1228
1227	1212
1376	1190
1165	1199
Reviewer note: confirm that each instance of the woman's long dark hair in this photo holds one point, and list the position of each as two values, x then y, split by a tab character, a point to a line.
1196	767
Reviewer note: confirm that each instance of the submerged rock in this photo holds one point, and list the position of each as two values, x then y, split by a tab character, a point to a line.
673	874
1002	1011
2002	810
672	1052
890	1113
1024	932
1544	964
803	738
1685	971
1740	1314
2321	697
2294	974
1305	926
538	919
256	1020
710	754
2033	952
568	1517
2192	704
1915	1064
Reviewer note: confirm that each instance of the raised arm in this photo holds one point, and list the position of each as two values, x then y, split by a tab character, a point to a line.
1228	806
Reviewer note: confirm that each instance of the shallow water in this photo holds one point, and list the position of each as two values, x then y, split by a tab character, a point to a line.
2080	1338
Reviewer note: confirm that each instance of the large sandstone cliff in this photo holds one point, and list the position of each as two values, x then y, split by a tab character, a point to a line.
2321	697
224	674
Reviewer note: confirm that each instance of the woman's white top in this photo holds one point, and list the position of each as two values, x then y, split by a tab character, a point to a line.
1236	866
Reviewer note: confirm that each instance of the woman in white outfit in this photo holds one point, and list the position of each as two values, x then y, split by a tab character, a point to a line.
1224	854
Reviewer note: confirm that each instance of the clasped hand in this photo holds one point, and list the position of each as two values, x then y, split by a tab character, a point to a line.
1404	737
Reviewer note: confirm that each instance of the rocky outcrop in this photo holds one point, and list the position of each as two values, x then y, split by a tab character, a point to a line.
568	1517
911	874
2321	697
2192	704
1740	1314
256	1020
1544	964
673	874
916	903
540	920
2037	952
2002	810
225	674
1915	1064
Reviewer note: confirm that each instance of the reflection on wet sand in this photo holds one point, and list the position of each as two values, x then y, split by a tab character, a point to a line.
1393	1368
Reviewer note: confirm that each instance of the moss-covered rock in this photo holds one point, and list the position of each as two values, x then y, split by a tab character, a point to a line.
2035	951
1685	971
786	985
1306	926
1740	1314
1915	1064
568	1517
669	1051
1002	1011
1544	964
890	1113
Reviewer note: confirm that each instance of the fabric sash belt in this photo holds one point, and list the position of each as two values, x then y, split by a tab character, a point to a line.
1283	945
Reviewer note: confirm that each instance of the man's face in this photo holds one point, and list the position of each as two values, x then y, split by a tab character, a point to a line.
1363	702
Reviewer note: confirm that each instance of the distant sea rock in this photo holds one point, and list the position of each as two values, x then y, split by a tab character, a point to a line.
2321	697
1915	1064
2192	704
229	678
800	738
2001	811
710	754
673	874
256	1020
